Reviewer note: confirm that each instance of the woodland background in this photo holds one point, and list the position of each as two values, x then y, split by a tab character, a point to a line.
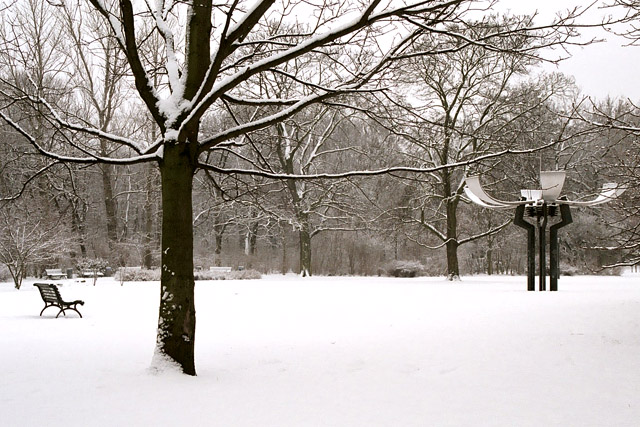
432	111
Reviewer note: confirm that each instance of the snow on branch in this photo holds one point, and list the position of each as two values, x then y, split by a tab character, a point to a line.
74	159
562	32
206	97
124	29
608	121
373	172
240	30
259	102
136	146
294	107
262	123
489	232
26	183
168	107
114	22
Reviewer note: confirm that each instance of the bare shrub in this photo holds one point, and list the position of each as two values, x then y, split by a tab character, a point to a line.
141	275
137	275
230	275
402	268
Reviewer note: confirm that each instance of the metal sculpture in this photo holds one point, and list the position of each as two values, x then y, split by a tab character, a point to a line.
540	204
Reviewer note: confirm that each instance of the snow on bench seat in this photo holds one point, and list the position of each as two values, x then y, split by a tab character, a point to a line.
54	273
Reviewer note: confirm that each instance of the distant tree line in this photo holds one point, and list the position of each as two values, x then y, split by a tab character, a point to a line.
435	111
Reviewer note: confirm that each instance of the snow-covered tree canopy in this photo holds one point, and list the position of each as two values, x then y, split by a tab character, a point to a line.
187	60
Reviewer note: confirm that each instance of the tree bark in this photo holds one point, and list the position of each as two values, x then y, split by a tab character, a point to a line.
218	231
147	237
177	318
77	225
284	253
451	200
253	237
109	205
489	262
218	249
453	269
305	250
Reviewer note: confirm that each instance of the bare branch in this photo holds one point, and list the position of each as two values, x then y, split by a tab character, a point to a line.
375	172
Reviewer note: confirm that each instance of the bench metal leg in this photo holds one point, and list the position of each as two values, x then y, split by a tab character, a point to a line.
68	308
47	306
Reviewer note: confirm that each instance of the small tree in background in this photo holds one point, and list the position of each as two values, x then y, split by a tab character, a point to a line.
28	240
92	265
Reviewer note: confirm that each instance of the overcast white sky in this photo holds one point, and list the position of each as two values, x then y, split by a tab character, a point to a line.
602	69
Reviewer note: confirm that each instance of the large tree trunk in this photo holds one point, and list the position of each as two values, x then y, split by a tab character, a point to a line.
451	200
109	205
77	225
177	318
284	252
147	236
218	230
218	250
109	200
489	262
453	269
253	237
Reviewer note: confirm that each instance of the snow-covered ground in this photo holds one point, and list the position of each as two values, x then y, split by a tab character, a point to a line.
285	351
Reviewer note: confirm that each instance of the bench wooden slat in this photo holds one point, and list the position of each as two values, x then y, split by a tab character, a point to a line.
54	273
52	298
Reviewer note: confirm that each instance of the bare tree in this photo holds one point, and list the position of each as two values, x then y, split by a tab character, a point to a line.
304	144
466	106
613	128
29	237
99	67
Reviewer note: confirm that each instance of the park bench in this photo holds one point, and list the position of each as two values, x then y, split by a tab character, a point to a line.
51	297
220	269
54	273
90	273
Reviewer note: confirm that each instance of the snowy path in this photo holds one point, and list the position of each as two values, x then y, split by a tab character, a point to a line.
331	352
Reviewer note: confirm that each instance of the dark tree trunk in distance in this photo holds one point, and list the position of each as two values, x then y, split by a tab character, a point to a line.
305	250
109	201
147	240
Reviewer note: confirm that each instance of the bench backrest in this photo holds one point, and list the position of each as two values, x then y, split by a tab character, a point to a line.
53	270
49	292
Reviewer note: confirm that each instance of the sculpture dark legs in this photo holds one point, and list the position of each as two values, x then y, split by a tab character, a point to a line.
554	258
542	217
542	236
531	246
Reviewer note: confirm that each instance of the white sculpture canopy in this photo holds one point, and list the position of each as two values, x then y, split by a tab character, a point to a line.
551	183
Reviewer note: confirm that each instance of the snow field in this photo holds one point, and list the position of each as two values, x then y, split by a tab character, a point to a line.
285	351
